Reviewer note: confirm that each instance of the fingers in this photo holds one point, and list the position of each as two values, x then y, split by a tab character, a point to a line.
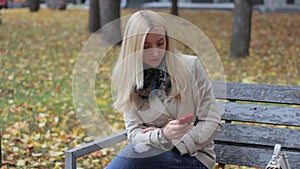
173	122
176	122
180	127
178	134
184	127
175	131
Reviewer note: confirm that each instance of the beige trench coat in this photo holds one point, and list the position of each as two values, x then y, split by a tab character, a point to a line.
199	100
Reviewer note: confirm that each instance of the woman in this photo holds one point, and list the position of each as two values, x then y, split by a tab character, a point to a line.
155	86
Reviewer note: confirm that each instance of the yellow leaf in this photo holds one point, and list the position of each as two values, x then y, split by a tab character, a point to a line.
37	154
101	102
36	136
42	124
55	153
21	163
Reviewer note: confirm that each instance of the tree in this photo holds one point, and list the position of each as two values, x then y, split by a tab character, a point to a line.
34	5
110	11
0	25
57	4
241	28
174	9
101	13
94	16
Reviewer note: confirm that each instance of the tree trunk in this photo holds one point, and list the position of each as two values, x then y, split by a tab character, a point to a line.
241	28
110	11
34	5
0	19
94	16
57	4
174	10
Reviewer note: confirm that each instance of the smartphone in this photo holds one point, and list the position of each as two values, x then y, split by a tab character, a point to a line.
186	119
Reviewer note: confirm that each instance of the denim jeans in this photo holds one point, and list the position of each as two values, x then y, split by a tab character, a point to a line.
129	159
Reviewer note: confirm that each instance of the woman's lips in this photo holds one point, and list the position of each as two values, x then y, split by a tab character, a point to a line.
154	60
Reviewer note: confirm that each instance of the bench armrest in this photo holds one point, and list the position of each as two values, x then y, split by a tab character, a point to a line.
72	154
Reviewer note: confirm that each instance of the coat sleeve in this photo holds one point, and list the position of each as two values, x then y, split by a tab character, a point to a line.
207	111
135	125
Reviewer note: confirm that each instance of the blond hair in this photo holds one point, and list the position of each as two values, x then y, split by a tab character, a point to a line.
128	71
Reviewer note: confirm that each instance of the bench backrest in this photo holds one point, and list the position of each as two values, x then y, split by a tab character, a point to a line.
256	117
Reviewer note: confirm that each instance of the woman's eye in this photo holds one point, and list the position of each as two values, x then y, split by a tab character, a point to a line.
161	43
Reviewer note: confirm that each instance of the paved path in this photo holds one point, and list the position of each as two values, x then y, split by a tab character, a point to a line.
216	6
290	8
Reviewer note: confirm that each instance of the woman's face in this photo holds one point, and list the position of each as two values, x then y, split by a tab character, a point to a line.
154	47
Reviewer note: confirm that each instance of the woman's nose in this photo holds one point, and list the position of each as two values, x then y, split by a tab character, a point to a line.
155	51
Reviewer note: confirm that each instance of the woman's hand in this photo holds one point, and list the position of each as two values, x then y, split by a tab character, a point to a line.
175	131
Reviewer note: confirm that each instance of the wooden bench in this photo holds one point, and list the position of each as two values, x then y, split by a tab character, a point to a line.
255	118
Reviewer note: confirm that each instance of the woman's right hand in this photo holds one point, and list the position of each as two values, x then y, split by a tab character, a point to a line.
175	131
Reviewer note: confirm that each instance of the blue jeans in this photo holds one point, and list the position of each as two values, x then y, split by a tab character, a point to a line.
128	159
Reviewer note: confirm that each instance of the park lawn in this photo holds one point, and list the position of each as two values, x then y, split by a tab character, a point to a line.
38	52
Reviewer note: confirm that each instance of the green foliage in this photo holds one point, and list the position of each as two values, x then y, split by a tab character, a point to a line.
38	54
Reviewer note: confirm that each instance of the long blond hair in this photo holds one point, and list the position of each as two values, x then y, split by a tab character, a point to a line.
128	71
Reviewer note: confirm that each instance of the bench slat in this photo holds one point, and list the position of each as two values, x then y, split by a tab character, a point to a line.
259	135
258	92
252	157
266	114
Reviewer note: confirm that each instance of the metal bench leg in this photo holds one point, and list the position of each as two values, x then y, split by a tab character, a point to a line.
0	146
0	151
222	166
70	161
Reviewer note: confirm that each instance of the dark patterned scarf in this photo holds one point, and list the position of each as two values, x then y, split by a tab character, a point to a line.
154	78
